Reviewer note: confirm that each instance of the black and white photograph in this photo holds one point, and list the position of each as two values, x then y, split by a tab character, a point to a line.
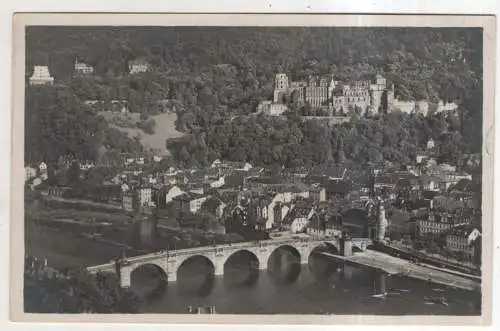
253	170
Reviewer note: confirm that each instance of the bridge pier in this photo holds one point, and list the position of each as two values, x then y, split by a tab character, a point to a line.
172	274
304	259
346	247
218	266
380	284
125	275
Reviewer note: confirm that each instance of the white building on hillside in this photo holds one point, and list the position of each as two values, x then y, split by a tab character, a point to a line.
83	68
29	173
41	75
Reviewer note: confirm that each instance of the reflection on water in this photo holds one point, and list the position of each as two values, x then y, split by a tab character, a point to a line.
241	270
284	265
195	277
286	287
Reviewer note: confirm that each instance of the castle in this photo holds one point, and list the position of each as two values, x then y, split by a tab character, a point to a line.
342	98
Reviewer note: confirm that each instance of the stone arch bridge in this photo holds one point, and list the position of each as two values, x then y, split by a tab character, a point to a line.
171	261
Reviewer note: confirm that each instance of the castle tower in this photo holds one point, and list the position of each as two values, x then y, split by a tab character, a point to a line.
380	96
331	87
281	85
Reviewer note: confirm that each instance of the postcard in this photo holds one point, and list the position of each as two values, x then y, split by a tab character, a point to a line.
251	168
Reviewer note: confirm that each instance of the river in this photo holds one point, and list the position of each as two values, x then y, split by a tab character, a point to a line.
286	287
319	287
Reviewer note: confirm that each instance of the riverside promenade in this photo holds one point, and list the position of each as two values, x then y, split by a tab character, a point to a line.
397	266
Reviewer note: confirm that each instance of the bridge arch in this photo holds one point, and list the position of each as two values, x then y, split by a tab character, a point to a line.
259	259
241	268
291	249
195	274
284	262
200	257
148	278
323	246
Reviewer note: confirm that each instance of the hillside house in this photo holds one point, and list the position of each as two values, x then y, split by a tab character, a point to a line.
138	66
189	202
29	173
86	165
82	69
42	167
172	192
317	193
234	165
430	144
41	76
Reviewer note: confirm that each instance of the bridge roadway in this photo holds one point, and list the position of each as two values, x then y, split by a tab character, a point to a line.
170	261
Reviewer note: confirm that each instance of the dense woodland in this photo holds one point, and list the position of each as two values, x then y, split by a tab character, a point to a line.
216	73
291	142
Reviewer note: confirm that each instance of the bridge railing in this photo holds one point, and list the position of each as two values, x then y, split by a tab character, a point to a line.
205	249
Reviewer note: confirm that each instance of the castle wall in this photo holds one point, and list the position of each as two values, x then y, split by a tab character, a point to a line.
272	109
316	96
403	106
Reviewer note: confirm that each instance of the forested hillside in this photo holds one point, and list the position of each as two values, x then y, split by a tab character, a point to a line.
291	142
57	124
215	73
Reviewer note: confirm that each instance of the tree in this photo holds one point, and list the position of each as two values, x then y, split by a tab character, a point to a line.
49	291
73	173
340	153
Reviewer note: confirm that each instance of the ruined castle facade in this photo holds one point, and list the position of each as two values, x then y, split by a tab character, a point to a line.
341	98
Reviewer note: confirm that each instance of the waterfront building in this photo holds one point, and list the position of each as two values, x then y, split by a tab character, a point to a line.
144	194
324	224
298	218
465	241
128	201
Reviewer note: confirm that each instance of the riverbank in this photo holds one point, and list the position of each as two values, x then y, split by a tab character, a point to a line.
397	266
